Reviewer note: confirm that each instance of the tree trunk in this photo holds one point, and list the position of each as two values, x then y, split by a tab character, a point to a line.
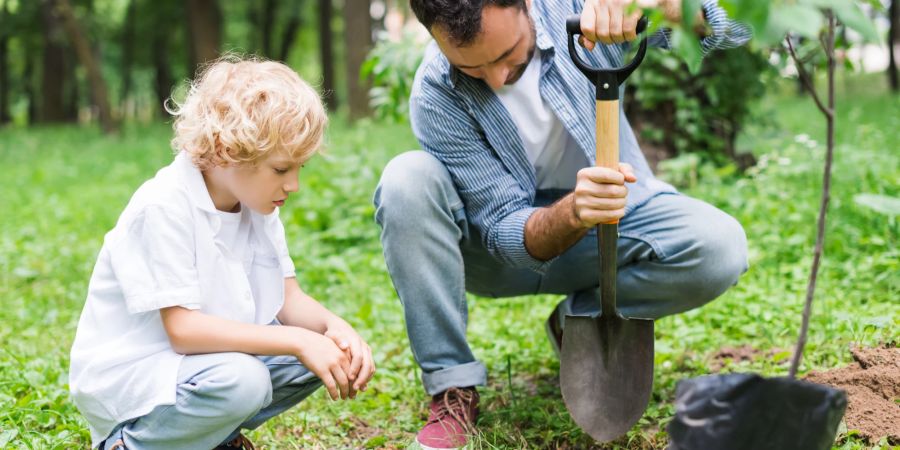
127	52
893	40
52	107
204	31
357	43
267	26
290	31
4	65
326	53
99	92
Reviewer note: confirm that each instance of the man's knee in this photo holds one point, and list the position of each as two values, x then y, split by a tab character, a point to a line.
722	256
416	180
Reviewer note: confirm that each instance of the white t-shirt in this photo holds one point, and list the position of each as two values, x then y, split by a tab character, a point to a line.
168	248
550	148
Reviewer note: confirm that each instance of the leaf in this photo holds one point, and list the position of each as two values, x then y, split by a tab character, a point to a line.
804	20
752	12
689	9
849	13
686	46
881	203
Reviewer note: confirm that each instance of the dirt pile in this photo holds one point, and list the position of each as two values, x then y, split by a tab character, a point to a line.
873	387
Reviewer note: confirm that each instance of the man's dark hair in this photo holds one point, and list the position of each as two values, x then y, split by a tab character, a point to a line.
460	19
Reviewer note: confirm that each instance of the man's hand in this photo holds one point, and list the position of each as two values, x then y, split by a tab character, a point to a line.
615	21
600	194
362	365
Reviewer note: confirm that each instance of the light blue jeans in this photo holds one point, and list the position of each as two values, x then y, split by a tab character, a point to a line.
218	395
675	253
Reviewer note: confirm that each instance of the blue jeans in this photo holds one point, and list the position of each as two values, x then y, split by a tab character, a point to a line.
218	395
675	253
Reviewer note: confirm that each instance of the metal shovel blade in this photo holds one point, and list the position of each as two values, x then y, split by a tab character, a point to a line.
606	372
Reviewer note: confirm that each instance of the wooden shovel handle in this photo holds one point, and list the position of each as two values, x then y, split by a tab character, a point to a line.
608	135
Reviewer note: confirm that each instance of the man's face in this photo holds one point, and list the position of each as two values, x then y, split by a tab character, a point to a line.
501	51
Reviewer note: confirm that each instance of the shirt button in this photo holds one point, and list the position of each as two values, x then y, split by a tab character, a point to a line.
247	295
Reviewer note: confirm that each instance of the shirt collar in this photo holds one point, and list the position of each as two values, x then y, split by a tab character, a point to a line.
193	178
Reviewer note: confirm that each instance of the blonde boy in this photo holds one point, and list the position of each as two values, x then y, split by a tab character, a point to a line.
194	326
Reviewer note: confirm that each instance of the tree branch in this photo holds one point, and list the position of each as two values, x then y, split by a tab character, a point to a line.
805	78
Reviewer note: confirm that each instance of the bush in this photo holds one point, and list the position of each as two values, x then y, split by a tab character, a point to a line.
683	113
392	65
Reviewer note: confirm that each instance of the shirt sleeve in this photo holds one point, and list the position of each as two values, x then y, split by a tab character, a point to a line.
275	230
154	261
726	33
496	204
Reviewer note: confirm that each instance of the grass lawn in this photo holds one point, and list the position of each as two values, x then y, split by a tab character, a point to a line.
63	188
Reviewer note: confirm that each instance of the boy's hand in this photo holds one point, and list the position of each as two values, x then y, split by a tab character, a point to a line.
600	194
362	365
327	361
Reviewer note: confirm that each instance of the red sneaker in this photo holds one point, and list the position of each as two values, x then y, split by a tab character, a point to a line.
452	419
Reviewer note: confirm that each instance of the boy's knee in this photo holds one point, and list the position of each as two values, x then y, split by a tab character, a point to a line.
242	382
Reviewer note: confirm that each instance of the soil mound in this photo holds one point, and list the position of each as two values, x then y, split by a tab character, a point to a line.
873	387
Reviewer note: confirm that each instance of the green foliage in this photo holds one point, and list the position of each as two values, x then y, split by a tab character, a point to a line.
703	112
64	188
773	20
392	65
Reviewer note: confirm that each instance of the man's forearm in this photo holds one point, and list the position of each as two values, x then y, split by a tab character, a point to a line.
550	231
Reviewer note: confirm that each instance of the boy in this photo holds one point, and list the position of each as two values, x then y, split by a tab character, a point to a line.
195	279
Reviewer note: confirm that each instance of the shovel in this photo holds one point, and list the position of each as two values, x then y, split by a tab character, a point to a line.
606	361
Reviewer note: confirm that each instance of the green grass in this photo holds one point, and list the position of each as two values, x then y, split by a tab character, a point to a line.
64	187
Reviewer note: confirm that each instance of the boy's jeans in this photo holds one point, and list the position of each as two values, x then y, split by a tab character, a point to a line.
218	395
675	253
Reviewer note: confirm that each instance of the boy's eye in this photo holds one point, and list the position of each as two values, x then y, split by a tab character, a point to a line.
281	171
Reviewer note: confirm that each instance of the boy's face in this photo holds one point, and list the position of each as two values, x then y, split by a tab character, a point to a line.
264	186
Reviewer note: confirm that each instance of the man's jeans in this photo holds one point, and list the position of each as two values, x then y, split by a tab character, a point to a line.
675	253
218	395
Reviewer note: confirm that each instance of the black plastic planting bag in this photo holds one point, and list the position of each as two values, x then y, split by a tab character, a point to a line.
749	412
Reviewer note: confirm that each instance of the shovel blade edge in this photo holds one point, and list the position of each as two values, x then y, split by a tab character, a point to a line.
606	373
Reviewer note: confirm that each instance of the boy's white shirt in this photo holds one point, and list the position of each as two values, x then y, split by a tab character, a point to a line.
164	252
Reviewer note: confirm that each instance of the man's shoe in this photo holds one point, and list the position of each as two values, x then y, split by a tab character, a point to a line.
554	330
239	443
451	421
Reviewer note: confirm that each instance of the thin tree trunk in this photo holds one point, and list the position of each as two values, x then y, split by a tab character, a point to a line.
290	31
326	53
204	31
127	52
53	80
357	42
28	87
267	26
829	113
99	93
4	65
163	81
893	40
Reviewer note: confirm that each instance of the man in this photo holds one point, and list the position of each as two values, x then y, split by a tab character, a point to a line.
505	198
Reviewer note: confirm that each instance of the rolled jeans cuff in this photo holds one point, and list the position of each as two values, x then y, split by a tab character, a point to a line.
463	375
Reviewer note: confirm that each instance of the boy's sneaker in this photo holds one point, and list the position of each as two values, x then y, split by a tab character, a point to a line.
451	421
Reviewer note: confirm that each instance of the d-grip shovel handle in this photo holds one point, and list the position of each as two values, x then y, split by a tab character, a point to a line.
607	83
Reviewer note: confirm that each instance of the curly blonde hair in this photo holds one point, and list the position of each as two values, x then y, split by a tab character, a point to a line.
239	109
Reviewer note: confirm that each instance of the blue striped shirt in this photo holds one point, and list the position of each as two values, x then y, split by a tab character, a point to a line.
460	121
